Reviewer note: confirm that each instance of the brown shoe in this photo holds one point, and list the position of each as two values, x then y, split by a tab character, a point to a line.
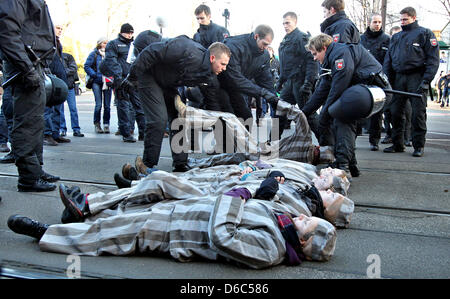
140	166
48	140
62	140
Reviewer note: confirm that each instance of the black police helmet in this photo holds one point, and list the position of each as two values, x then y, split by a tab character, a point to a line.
358	101
56	90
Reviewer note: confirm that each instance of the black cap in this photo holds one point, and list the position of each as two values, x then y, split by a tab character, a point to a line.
126	28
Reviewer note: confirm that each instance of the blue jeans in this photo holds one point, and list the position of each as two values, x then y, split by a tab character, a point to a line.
52	117
72	103
102	97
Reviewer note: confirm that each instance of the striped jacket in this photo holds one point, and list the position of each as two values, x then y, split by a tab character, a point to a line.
184	217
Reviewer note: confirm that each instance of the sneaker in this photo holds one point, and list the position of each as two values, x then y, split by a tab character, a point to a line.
63	133
78	134
98	129
106	129
27	226
74	201
129	139
9	158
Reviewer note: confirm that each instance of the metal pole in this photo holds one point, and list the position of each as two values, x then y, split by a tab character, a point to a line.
383	13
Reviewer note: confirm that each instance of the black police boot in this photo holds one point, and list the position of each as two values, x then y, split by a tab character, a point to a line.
75	202
49	178
394	149
27	226
181	168
354	171
38	185
9	158
121	182
418	152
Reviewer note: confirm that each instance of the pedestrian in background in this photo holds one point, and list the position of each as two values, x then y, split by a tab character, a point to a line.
102	90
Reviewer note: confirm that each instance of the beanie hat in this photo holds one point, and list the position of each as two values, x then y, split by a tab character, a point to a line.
101	40
126	28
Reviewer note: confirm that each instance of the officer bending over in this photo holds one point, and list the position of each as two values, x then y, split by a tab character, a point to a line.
347	65
162	67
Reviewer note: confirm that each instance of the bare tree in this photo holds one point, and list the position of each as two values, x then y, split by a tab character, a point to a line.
360	11
117	13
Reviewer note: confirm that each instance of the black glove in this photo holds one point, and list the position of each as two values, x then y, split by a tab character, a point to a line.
128	84
423	87
270	97
31	79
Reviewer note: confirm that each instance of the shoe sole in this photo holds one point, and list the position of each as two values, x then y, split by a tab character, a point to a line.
70	205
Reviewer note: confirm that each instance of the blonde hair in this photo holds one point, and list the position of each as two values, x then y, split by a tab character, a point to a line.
319	42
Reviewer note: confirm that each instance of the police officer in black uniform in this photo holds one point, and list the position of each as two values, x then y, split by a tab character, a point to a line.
377	43
248	73
298	70
347	65
411	64
115	64
159	70
337	24
27	23
208	32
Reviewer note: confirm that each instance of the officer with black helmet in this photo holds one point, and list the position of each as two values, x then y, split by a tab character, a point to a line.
411	64
23	24
345	65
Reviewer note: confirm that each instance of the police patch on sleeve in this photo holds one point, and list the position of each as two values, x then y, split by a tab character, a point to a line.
434	42
336	37
339	64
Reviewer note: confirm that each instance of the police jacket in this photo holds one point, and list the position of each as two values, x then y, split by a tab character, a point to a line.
247	63
414	49
341	28
115	63
348	64
208	34
377	43
25	23
173	63
295	59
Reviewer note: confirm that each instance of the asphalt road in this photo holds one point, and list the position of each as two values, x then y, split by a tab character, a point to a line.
400	228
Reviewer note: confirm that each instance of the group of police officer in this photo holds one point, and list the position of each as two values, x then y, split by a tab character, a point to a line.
228	71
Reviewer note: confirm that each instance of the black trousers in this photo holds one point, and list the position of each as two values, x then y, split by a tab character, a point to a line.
159	108
124	101
28	129
408	83
344	146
